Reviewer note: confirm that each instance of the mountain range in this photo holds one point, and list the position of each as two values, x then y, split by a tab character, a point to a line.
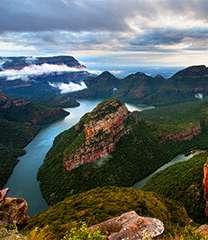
46	77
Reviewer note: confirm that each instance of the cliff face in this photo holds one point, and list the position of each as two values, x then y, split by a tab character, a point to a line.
205	187
184	135
102	130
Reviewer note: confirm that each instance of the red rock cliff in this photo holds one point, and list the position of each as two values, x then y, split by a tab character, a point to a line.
183	135
101	133
205	187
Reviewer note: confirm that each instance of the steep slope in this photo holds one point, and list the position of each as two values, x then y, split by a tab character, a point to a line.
20	121
98	152
101	204
183	182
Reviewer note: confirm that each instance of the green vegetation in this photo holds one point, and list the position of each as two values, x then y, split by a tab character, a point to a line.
100	204
178	117
18	126
83	233
123	168
183	182
127	164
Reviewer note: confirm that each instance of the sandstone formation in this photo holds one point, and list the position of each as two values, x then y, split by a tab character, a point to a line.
12	210
131	226
184	135
102	129
205	187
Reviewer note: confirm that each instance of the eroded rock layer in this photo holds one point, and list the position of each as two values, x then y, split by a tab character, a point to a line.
102	129
12	210
205	187
183	135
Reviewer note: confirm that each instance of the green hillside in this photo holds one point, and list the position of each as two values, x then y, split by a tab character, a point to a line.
183	182
100	204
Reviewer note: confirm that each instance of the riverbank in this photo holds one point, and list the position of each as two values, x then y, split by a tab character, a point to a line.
23	182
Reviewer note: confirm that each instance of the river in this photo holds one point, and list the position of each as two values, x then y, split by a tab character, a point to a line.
177	159
23	181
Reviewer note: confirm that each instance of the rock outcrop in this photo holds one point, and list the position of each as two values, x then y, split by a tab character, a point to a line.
205	187
12	210
184	135
102	129
130	226
203	230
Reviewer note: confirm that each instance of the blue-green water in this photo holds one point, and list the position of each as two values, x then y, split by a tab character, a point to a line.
23	181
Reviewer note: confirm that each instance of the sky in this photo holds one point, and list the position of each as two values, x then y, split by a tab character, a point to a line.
107	32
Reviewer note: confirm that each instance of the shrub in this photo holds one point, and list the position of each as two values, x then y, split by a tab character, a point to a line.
83	233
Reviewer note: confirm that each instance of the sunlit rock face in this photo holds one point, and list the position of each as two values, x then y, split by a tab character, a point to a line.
102	129
12	210
131	226
205	187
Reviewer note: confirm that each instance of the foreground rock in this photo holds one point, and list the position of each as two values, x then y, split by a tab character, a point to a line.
131	226
12	210
203	230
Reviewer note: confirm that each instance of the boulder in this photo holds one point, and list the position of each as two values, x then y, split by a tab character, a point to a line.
130	226
12	210
203	230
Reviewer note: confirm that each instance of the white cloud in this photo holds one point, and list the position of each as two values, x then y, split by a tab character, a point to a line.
37	70
69	87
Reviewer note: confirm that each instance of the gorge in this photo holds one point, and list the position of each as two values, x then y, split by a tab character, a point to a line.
23	181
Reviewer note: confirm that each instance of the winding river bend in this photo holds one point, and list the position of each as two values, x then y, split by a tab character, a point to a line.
23	182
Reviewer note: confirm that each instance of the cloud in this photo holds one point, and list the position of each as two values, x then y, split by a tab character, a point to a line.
170	36
71	15
69	87
37	70
105	28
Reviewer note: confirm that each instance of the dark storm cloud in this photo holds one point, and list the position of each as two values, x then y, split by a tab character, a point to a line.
90	15
71	15
169	36
102	27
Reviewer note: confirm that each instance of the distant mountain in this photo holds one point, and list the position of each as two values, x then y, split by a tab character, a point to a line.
21	62
186	85
20	120
41	77
193	71
48	77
